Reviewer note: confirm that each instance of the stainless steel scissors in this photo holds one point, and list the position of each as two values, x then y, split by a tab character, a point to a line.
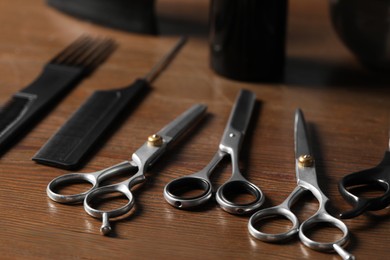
230	145
144	157
377	177
306	180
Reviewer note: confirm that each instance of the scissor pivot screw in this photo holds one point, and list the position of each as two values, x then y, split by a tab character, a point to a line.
305	160
155	140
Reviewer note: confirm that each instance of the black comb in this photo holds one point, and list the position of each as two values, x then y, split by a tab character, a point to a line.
61	74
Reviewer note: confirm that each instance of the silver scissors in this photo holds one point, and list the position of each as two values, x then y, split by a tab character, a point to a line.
177	191
306	180
144	157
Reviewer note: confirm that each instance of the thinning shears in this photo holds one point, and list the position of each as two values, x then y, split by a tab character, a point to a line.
178	191
306	180
376	177
144	157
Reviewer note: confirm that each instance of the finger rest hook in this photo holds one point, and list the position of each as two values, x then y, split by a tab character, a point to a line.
105	229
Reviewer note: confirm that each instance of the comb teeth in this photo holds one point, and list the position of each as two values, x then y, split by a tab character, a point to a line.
85	52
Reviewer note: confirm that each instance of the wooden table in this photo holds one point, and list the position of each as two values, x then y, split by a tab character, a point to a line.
347	107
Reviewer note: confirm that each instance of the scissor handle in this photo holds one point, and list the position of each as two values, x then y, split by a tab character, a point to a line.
284	210
281	210
177	191
93	178
235	187
68	179
322	217
379	175
263	214
106	214
192	190
98	193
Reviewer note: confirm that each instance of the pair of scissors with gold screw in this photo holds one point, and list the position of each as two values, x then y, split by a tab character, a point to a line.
306	181
142	159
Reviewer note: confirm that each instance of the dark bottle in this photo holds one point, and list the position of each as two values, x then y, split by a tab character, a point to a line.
247	39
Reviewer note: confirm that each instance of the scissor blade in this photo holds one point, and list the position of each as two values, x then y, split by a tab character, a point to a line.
302	146
238	123
304	159
242	111
182	123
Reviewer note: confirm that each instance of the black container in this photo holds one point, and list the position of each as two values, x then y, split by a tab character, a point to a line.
247	39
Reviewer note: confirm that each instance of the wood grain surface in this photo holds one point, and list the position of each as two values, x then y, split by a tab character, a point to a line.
346	105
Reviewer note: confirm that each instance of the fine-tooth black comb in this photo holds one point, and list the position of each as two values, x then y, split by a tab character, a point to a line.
60	75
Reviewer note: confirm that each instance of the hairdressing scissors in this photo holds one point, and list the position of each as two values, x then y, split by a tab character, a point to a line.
379	176
144	157
230	145
306	180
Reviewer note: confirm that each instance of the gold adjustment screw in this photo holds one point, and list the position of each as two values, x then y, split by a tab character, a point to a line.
155	140
306	160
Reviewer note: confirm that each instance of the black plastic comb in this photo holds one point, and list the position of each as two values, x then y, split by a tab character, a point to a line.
61	74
